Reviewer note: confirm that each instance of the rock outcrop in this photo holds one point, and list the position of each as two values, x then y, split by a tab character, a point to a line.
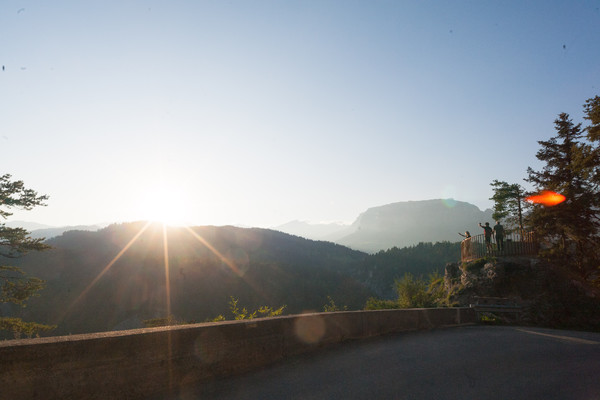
550	296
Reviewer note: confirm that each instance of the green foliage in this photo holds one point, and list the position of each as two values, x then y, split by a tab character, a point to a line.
270	265
243	313
592	114
414	292
571	227
18	327
15	286
268	312
565	303
570	231
240	313
508	200
13	194
331	306
378	304
14	242
591	110
437	290
382	268
489	319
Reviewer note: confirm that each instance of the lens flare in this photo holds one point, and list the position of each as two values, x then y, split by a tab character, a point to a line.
168	300
547	198
167	272
216	252
105	270
232	263
309	328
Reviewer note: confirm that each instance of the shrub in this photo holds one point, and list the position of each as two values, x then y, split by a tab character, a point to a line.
19	327
414	292
331	306
378	304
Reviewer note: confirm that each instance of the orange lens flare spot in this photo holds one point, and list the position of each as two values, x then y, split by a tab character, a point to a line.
547	198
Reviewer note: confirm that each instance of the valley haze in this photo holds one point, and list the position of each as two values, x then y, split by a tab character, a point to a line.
378	228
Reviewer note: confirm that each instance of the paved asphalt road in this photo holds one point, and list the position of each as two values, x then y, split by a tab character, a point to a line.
471	362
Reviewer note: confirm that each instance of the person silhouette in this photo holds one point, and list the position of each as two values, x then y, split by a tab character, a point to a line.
499	233
487	232
465	245
465	235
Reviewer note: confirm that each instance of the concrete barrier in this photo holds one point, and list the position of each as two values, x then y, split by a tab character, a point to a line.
143	363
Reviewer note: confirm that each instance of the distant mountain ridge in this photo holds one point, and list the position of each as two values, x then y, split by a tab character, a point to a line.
37	230
316	231
404	224
30	226
378	228
89	288
49	233
115	278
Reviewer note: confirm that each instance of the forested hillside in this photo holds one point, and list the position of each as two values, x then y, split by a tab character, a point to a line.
380	270
115	278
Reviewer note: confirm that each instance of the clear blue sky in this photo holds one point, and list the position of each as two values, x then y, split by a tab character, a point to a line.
262	112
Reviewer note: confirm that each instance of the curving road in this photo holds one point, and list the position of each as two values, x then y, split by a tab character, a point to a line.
472	362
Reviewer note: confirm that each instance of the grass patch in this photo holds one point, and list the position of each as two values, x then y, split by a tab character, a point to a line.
489	319
476	265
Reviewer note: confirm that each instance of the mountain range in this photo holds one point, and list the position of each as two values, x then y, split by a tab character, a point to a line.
119	276
123	274
399	225
47	231
378	228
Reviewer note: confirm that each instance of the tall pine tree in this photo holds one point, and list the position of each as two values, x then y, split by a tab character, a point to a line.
508	199
591	110
569	228
15	286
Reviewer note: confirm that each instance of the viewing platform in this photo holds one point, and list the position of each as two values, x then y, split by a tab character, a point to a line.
515	244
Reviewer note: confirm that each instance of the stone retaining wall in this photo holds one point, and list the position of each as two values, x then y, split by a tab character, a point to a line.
142	363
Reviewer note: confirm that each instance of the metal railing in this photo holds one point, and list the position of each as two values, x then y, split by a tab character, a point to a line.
515	244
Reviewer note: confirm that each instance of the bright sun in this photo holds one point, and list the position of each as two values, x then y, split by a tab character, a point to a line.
165	204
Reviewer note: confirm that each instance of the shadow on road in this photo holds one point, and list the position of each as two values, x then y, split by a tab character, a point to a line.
473	362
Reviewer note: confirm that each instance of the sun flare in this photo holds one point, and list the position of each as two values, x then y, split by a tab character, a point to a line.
167	205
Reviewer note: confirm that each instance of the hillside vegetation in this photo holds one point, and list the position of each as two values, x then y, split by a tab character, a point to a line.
90	289
550	295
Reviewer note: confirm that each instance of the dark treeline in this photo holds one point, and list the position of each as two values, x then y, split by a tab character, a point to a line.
89	289
380	270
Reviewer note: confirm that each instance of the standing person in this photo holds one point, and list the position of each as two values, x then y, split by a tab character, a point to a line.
487	232
465	245
499	233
